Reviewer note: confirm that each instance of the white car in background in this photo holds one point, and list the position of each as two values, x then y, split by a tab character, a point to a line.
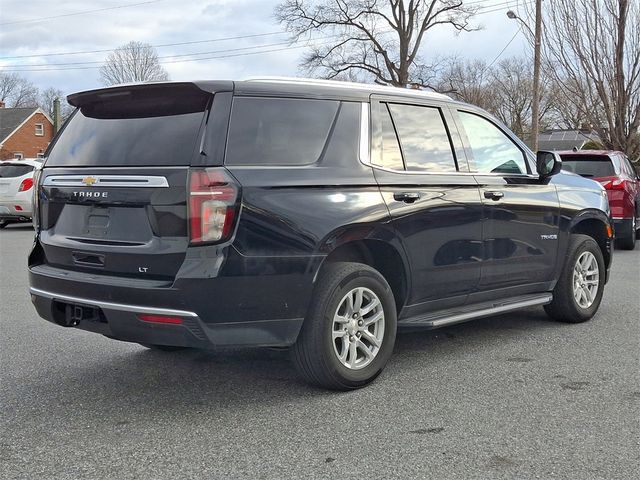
16	190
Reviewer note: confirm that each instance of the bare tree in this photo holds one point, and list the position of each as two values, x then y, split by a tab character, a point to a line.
564	111
379	39
503	89
133	62
467	81
46	99
592	48
512	87
17	91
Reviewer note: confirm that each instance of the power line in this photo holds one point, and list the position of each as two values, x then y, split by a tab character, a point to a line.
67	64
41	19
499	9
220	39
85	65
176	61
505	47
212	40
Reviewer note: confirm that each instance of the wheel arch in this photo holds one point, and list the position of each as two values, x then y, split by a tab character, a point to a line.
596	225
379	254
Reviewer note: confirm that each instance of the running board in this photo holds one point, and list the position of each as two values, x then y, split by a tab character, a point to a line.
471	312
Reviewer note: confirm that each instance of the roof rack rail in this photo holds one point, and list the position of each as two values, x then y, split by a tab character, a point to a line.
347	85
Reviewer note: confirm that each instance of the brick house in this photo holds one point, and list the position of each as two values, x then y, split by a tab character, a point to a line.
24	132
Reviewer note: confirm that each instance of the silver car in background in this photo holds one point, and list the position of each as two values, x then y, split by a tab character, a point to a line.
16	190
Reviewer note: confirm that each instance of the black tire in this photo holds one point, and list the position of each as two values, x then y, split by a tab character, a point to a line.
564	307
313	353
3	224
163	348
628	240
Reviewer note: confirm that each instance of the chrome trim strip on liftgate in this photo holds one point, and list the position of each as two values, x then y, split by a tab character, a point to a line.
112	306
105	181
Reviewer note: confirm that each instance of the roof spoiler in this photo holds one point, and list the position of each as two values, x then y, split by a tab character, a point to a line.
149	88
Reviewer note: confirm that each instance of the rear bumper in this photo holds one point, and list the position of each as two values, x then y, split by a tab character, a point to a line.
250	301
15	209
122	322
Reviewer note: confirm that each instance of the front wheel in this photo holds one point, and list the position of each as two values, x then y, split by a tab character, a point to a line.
350	330
3	223
578	292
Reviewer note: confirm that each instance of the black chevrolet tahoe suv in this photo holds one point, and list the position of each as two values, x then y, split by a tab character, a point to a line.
309	214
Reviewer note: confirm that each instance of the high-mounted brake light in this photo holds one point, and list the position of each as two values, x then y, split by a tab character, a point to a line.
26	184
213	205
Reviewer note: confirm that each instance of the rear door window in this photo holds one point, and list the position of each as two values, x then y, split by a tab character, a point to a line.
591	166
390	149
424	139
278	131
13	170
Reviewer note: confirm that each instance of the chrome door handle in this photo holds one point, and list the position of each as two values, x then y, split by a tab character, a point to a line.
493	195
406	197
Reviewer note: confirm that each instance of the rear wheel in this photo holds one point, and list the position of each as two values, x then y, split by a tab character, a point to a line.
349	333
578	292
628	240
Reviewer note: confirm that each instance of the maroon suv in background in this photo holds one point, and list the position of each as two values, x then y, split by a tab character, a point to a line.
616	174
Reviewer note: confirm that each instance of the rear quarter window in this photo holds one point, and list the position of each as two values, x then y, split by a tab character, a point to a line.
278	131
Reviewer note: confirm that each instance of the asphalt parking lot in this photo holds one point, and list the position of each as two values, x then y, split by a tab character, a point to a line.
514	396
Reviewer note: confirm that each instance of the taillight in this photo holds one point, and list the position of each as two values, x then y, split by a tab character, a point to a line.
36	200
617	184
213	205
26	184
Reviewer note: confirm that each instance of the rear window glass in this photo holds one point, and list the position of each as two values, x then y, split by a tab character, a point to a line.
278	131
13	170
139	130
589	166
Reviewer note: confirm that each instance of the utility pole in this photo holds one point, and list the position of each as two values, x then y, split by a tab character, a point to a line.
56	115
535	106
537	46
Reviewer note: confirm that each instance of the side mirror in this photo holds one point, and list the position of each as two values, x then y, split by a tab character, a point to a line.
548	164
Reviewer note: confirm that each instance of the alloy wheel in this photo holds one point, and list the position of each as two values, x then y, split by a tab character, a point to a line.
586	280
358	328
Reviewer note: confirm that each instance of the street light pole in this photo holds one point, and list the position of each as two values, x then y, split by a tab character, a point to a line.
537	43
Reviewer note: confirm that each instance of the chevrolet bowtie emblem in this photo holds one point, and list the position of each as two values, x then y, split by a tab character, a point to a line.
89	181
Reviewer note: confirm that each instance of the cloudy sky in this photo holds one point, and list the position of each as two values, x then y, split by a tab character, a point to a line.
33	33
